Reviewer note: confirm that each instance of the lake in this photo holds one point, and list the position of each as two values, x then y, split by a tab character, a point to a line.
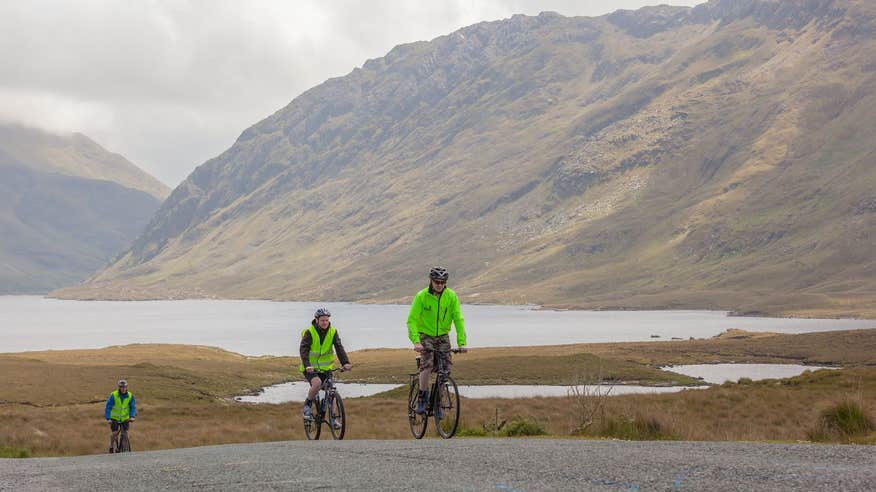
719	373
710	373
274	328
297	391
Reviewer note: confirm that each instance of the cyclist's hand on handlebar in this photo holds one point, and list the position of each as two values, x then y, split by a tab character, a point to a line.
462	350
418	347
308	369
347	367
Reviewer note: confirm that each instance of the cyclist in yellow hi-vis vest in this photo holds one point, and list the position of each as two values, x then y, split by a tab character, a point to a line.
318	344
120	410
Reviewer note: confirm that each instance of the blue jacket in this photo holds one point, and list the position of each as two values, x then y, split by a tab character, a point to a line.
110	403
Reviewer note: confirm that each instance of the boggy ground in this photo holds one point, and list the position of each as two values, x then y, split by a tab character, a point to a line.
51	403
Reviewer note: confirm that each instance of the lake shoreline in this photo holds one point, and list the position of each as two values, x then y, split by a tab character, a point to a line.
74	294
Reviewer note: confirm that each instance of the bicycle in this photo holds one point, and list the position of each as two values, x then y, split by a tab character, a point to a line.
443	404
331	405
122	443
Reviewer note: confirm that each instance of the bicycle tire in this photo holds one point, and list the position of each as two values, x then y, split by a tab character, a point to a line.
313	426
335	412
124	443
447	400
418	422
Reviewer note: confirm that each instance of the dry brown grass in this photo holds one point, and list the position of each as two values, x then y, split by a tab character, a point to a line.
166	372
51	403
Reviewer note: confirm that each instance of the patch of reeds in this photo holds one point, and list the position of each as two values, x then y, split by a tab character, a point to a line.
845	421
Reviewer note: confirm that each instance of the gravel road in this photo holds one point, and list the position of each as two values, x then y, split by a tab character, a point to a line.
459	464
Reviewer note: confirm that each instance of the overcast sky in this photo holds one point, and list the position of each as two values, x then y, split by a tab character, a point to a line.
170	84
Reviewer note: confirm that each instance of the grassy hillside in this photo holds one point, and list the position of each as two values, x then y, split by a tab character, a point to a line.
714	157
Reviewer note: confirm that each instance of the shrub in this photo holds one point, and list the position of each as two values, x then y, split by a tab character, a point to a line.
524	427
745	381
10	452
843	421
636	428
471	432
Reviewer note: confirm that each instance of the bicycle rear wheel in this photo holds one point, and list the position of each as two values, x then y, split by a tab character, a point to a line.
313	425
337	421
417	422
447	408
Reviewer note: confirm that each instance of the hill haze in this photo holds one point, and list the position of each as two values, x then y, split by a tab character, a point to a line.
720	156
67	208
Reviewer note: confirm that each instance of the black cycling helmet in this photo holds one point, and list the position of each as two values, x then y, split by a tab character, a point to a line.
438	273
321	312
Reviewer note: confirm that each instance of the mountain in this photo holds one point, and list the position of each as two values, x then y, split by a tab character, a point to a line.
67	208
720	156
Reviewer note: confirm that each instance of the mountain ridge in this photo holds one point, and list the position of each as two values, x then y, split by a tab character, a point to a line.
630	160
76	155
62	214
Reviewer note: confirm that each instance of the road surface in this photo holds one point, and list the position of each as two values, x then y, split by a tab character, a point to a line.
459	464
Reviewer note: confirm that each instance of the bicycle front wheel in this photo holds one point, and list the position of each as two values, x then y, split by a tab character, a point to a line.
124	443
447	408
337	418
418	422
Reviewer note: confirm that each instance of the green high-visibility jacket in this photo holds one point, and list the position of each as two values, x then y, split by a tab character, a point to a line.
432	315
121	410
322	357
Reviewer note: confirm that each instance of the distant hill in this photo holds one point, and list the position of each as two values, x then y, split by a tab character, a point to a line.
720	156
67	208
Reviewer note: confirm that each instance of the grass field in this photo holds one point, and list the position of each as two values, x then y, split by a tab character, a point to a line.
51	403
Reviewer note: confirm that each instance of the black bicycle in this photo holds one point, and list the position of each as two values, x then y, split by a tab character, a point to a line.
329	410
443	402
121	443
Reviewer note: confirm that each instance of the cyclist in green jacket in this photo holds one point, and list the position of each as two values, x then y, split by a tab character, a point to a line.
317	350
433	310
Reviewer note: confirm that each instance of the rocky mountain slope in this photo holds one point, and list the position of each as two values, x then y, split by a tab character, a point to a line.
720	156
67	208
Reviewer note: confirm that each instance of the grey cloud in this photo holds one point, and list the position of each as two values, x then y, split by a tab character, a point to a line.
170	84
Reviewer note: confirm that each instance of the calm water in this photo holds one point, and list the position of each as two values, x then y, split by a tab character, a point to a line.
297	391
711	373
266	327
719	373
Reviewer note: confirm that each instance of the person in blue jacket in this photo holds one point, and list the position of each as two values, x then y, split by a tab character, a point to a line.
120	411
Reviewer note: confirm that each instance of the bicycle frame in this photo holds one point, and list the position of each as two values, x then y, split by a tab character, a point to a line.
441	375
121	437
